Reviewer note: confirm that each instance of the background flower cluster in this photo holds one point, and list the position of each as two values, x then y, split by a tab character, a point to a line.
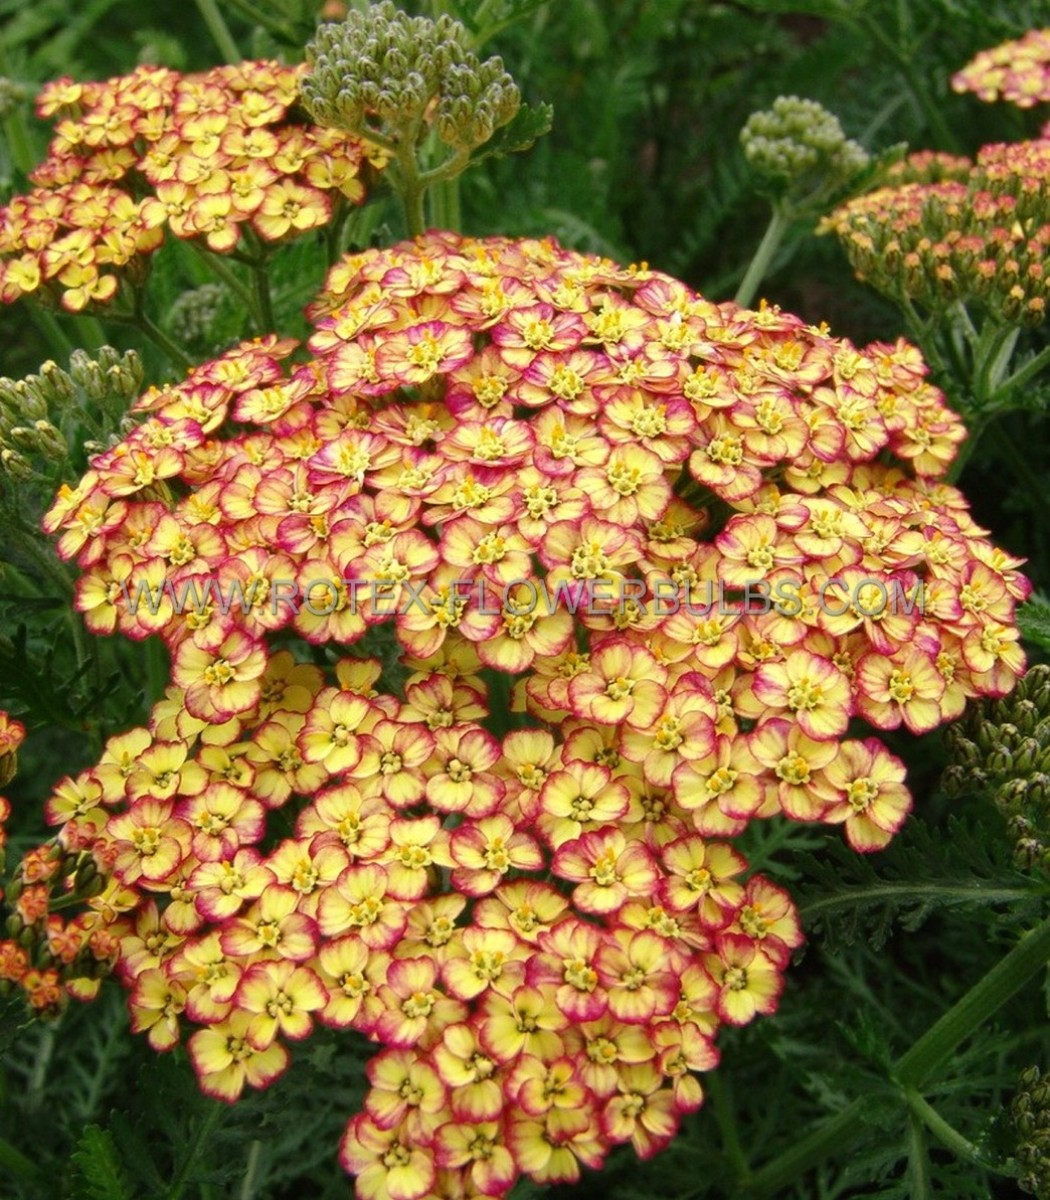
958	230
217	156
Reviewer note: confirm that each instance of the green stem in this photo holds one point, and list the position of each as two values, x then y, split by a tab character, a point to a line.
225	275
986	356
918	1163
54	334
41	1063
964	1018
161	340
913	1068
445	208
90	333
723	1112
759	265
920	891
336	231
261	280
200	1140
157	670
219	30
999	362
946	1134
412	192
263	298
978	424
251	1171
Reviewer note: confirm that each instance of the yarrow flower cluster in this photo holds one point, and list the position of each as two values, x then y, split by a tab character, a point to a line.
983	236
542	928
204	156
26	959
1017	71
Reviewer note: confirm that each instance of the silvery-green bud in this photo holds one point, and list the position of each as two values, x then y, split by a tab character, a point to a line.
798	147
193	318
11	96
383	73
1028	755
25	437
52	444
57	384
14	465
1000	761
32	405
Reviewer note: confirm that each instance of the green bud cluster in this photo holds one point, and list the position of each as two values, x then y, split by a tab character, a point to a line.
1002	748
1030	1115
799	150
389	76
35	409
193	315
11	96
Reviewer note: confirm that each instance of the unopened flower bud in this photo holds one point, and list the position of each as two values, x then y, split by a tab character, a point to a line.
57	384
14	465
1000	761
52	444
799	148
11	96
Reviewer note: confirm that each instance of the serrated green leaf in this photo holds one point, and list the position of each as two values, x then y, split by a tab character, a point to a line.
530	122
1033	619
504	14
98	1172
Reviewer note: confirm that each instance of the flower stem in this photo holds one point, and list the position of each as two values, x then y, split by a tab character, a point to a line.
219	30
200	1141
946	1134
722	1107
161	340
54	334
251	1171
918	1161
917	891
914	1067
759	265
225	275
964	1018
412	192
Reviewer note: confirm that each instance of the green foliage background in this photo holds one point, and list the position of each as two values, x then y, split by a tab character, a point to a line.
643	163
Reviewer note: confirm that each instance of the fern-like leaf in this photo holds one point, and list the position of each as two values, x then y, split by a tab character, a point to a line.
98	1173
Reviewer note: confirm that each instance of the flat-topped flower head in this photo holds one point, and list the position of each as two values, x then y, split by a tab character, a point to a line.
1017	71
216	156
954	230
623	551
